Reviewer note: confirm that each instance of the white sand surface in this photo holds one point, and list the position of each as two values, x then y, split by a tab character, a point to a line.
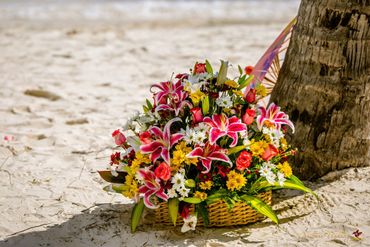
100	59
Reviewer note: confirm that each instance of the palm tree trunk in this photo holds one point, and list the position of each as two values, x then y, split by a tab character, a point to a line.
324	85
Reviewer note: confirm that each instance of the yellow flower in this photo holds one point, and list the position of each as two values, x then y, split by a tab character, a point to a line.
130	182
197	96
231	83
179	157
231	175
286	169
140	159
235	181
257	148
261	90
238	93
207	185
132	187
231	184
200	195
283	144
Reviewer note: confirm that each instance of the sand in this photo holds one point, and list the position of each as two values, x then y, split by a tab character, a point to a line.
72	73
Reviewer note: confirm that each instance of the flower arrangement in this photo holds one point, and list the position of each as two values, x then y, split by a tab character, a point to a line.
203	137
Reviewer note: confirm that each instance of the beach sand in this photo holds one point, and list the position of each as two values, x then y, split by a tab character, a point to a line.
92	64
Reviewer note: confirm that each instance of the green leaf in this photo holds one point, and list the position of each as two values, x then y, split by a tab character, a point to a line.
230	202
260	207
240	70
295	180
202	209
246	82
222	74
288	184
216	196
145	109
236	149
136	214
107	176
173	209
116	189
205	105
149	104
192	200
242	79
209	68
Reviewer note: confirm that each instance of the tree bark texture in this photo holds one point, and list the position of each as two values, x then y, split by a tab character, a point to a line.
324	85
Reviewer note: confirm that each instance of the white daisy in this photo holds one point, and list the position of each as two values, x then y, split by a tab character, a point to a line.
280	178
224	101
178	181
171	193
184	192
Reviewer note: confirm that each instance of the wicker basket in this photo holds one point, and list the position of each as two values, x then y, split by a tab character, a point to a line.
218	213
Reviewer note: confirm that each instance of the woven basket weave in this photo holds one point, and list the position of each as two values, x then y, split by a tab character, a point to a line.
218	213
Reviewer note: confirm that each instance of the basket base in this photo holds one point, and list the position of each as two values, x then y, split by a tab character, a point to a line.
218	213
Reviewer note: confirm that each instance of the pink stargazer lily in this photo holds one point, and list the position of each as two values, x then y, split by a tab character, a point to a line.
151	187
164	140
223	126
177	102
167	89
274	116
207	154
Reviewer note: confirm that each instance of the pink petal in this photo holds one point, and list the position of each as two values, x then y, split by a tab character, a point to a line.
163	107
234	136
175	138
260	120
287	122
181	106
165	155
147	201
207	164
156	131
150	147
218	120
143	189
263	111
156	154
233	119
162	195
209	121
237	127
220	156
272	110
167	129
196	153
215	134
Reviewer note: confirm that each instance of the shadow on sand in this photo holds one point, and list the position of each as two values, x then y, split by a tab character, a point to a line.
109	225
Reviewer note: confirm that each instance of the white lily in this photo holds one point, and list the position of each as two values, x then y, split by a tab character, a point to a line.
189	223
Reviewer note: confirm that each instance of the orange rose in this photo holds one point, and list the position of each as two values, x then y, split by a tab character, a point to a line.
163	171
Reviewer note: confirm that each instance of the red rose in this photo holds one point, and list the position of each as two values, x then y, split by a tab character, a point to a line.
248	70
119	138
270	152
223	171
248	117
251	96
243	161
199	68
145	137
115	158
197	115
163	171
185	211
